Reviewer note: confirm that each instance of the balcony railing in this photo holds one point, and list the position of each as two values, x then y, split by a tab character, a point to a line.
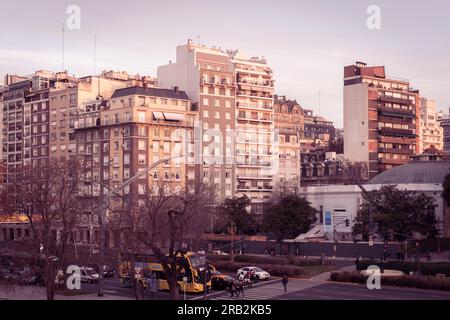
397	132
395	100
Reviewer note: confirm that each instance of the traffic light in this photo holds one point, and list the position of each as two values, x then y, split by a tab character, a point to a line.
347	222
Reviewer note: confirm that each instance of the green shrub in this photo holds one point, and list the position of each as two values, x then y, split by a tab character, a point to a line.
402	281
426	268
257	260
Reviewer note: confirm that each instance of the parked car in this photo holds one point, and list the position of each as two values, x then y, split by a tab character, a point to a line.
88	275
259	273
220	281
108	272
218	253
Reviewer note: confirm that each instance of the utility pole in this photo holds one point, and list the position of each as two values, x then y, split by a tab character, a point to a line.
232	230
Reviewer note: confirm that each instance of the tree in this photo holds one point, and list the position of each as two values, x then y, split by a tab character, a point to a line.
48	195
235	210
397	213
164	222
446	191
289	216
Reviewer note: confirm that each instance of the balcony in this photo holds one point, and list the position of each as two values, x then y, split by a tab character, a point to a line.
243	117
397	132
253	163
253	177
397	151
253	106
255	189
394	112
395	100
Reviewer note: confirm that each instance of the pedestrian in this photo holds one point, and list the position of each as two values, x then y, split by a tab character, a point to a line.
285	281
357	263
240	289
232	288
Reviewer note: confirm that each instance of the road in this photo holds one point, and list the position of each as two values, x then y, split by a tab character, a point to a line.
298	289
112	287
342	291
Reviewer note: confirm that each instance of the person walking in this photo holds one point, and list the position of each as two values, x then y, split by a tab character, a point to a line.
233	289
240	289
285	281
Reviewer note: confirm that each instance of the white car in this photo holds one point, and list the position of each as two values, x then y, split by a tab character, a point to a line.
88	275
260	273
218	253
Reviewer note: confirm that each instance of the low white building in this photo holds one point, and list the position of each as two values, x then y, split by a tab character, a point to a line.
341	202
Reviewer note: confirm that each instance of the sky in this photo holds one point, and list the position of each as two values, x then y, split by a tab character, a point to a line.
307	43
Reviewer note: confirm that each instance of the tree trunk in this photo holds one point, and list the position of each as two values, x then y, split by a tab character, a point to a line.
174	289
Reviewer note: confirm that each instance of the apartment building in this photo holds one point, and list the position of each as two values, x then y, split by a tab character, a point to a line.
381	118
290	123
431	133
444	122
135	128
256	144
318	132
207	77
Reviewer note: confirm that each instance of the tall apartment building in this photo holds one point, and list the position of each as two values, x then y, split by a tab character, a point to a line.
208	79
256	144
135	128
234	96
381	118
444	121
290	122
431	133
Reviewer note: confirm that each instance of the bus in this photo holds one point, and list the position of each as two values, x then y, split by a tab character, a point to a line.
149	270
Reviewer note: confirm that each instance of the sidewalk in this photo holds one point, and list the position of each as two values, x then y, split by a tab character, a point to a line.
39	293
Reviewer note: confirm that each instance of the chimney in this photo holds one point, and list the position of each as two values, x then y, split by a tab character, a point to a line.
175	89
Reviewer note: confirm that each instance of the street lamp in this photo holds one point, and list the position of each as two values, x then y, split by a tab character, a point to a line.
103	213
232	230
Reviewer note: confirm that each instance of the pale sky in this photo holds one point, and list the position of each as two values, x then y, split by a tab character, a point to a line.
307	43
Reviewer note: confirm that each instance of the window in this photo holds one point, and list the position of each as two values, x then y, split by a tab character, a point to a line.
141	189
156	146
216	103
205	114
227	104
166	147
216	115
205	101
141	116
142	145
227	116
142	158
127	116
126	159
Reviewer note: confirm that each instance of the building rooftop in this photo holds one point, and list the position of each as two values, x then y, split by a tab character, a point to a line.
150	92
416	172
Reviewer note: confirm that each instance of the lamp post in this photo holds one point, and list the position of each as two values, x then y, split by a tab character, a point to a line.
232	230
104	205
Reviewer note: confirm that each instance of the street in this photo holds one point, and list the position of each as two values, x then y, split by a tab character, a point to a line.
341	291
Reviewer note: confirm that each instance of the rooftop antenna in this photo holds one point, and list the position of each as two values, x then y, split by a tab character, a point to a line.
63	36
319	104
198	40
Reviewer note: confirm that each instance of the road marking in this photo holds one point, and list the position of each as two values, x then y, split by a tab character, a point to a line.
110	291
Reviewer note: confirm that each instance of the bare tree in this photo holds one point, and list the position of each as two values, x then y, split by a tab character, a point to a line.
49	196
166	219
